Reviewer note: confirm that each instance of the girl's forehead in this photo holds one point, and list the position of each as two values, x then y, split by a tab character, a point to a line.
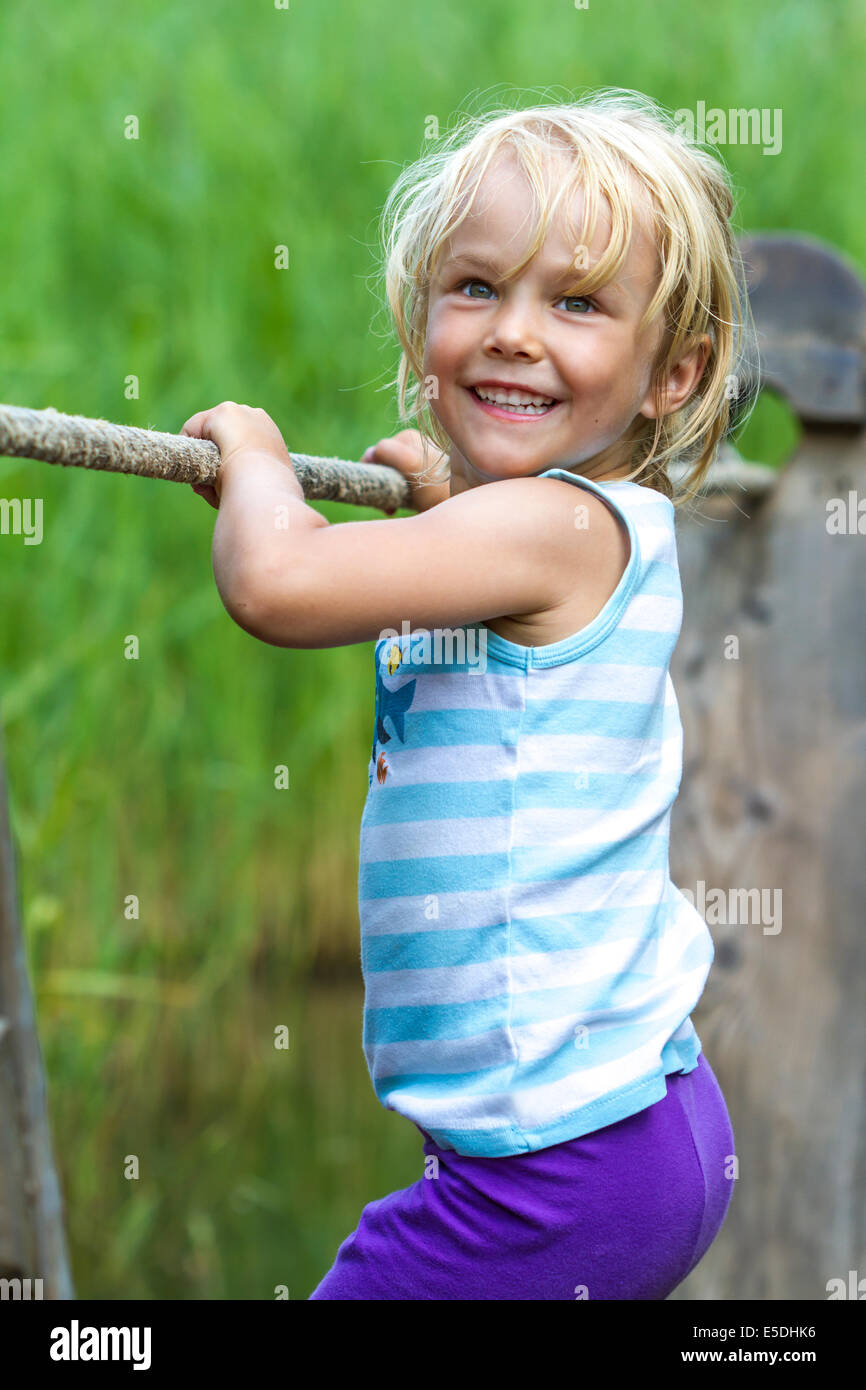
504	205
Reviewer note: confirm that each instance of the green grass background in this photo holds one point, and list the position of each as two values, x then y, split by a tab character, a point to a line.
155	777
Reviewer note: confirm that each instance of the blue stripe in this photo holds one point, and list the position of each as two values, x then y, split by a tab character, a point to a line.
465	873
393	804
627	719
449	801
426	950
602	718
441	1022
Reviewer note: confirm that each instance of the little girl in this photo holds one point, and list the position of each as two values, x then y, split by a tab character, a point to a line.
568	298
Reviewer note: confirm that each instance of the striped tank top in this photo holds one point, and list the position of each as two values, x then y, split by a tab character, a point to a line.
529	965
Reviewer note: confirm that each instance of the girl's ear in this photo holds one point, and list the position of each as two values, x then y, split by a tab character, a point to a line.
682	378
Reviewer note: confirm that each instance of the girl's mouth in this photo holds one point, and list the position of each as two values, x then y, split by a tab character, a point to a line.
512	405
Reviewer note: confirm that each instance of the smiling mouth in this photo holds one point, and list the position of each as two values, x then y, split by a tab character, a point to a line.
518	405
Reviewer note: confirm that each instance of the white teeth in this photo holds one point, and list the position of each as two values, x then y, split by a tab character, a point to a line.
521	401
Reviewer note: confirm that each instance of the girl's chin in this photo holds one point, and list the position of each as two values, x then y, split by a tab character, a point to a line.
493	470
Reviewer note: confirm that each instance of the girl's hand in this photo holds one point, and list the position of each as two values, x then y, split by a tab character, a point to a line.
411	454
234	428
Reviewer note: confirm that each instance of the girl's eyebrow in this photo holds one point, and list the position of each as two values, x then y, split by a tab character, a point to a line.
469	258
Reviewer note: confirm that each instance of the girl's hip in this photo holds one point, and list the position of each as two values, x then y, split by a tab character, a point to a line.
625	1212
654	1188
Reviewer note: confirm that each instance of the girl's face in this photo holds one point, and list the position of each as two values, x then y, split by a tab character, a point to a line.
583	355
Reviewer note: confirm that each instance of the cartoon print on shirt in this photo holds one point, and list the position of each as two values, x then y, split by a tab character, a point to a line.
391	705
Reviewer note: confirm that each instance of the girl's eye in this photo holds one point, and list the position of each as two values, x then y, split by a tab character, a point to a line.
570	299
470	284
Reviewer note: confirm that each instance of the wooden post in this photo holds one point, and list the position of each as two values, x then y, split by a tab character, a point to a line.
32	1240
773	798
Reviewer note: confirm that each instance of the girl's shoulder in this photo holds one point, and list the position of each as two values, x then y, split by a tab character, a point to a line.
606	540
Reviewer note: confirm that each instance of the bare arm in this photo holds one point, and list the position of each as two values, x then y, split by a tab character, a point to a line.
505	548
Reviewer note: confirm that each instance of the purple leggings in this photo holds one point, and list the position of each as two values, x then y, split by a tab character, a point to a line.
623	1213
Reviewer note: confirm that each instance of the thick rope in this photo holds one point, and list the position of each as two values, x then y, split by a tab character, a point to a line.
82	443
77	441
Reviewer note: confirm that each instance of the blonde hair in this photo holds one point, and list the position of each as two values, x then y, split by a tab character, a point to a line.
611	137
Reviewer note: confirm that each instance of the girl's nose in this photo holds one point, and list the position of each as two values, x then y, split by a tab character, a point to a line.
513	332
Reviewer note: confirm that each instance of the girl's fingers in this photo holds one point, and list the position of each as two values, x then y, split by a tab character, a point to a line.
193	426
388	451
